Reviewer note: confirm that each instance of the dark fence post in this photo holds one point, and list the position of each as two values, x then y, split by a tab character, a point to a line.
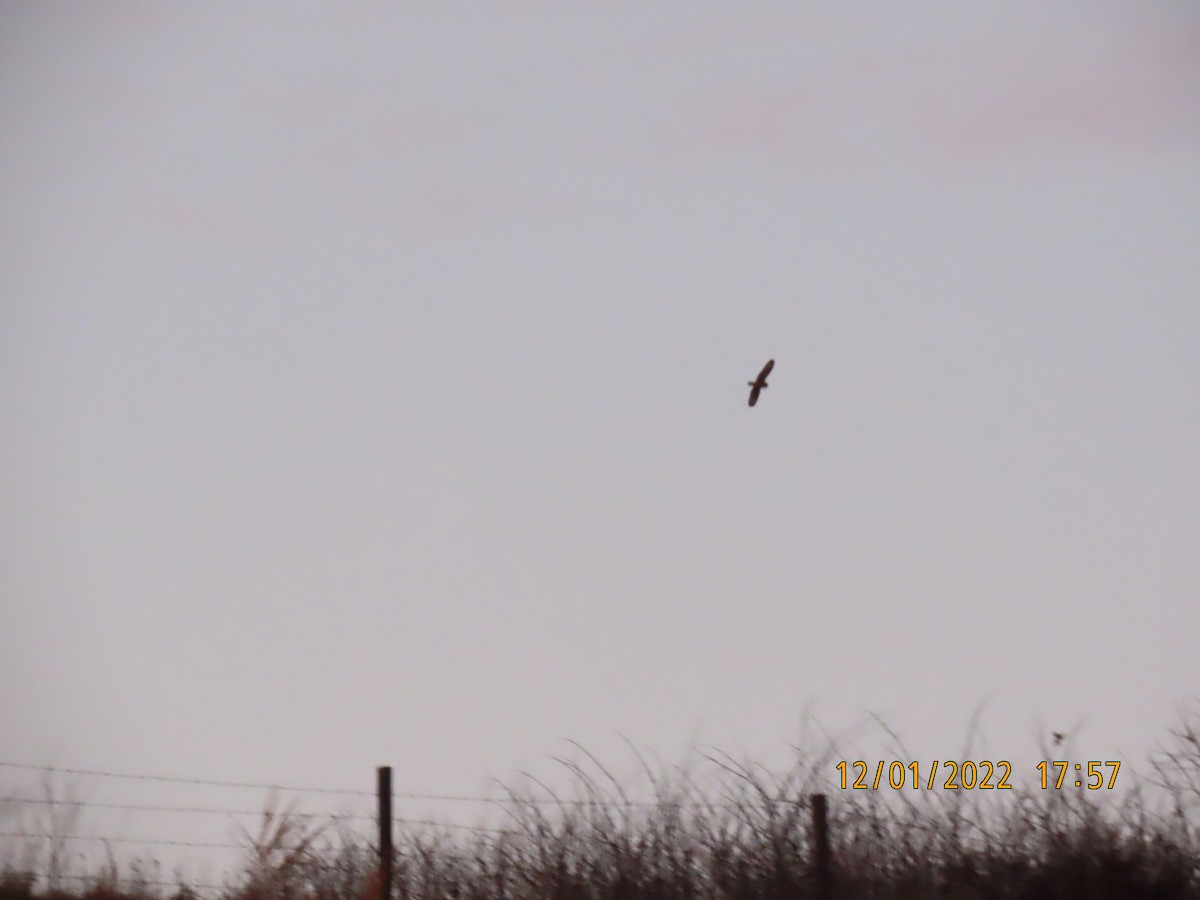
384	793
820	826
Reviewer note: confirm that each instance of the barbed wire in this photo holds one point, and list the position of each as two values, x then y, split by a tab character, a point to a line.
333	818
211	845
134	807
510	800
200	781
225	845
434	823
426	823
348	817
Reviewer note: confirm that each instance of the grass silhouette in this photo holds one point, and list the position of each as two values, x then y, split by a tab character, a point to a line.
721	828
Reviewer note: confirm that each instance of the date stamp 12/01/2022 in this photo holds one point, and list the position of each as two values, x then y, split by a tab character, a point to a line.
971	775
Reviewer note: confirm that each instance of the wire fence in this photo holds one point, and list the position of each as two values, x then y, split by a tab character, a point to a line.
399	795
42	827
762	823
42	830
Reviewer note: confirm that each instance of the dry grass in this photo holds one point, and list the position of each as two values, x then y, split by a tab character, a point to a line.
723	828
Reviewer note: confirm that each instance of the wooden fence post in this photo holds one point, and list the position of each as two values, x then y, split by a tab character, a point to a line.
384	794
820	826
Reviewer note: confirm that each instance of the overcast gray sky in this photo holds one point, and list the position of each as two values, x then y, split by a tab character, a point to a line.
374	380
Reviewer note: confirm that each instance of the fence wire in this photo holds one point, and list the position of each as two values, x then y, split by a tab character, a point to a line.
50	839
508	800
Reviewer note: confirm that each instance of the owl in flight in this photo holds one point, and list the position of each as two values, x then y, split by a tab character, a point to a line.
760	382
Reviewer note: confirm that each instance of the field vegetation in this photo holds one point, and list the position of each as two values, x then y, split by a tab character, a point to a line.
721	828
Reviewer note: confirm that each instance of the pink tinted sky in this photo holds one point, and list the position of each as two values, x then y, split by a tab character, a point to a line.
381	344
1104	89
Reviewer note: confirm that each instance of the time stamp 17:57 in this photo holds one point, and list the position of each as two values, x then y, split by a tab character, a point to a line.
972	775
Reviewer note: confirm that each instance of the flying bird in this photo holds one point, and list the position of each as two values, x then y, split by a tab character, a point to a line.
760	382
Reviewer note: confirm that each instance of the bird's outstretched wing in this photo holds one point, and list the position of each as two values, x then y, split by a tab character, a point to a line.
754	394
766	370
